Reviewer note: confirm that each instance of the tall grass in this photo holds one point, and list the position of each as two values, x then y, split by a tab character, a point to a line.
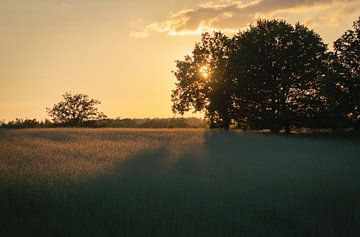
123	182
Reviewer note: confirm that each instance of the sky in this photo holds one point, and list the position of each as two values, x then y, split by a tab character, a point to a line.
122	52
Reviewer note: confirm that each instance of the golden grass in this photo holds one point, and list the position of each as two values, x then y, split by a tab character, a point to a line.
52	154
176	182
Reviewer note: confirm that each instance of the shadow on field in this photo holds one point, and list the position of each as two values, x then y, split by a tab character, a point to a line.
231	185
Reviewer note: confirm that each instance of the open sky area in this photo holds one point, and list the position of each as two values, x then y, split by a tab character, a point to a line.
122	52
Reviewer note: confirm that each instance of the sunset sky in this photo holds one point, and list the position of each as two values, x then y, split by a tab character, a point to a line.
122	52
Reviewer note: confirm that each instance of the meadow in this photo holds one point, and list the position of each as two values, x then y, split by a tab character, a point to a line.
176	182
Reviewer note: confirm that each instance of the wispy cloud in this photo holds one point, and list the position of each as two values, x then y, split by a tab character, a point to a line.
231	15
334	16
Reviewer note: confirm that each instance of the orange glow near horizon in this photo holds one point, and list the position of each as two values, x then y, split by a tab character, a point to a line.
122	52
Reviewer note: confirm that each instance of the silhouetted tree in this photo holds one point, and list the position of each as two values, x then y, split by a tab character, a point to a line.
22	123
336	96
273	75
75	110
347	50
202	81
278	71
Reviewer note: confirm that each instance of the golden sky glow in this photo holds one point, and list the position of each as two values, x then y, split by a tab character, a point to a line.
122	52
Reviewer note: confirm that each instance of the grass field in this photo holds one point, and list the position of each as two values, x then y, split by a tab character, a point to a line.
123	182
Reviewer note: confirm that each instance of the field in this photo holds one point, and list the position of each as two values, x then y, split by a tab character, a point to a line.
124	182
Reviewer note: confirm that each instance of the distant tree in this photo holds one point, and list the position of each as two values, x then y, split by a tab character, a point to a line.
22	123
150	123
75	110
47	123
347	50
202	82
278	71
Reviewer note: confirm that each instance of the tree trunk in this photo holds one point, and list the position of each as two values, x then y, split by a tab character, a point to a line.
275	130
287	129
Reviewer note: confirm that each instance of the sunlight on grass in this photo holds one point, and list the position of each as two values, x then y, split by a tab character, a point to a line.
125	182
78	153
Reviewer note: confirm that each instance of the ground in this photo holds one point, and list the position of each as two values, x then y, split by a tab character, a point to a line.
189	182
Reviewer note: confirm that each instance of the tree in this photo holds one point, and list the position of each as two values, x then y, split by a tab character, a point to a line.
22	123
278	71
75	110
269	76
336	93
202	81
347	50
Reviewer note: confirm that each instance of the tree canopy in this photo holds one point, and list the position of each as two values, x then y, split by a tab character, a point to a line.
202	81
75	110
347	51
273	75
278	70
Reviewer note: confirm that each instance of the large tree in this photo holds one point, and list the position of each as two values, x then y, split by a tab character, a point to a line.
347	50
269	76
334	89
75	110
202	81
278	69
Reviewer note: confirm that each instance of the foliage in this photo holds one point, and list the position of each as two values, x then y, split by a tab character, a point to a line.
202	83
272	76
347	50
151	123
336	94
22	123
278	70
112	123
75	110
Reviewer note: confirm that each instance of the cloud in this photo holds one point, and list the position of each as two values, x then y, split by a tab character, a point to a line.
139	35
231	15
335	16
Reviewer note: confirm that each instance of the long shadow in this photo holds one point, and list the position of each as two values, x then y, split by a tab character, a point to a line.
231	185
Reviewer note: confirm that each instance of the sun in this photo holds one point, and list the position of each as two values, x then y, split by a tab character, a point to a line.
204	71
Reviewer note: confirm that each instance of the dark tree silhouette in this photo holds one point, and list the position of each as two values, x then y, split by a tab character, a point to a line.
202	81
21	123
278	70
347	50
273	75
75	110
336	93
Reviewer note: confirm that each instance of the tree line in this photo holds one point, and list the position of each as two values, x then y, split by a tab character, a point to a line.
79	110
273	75
110	123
